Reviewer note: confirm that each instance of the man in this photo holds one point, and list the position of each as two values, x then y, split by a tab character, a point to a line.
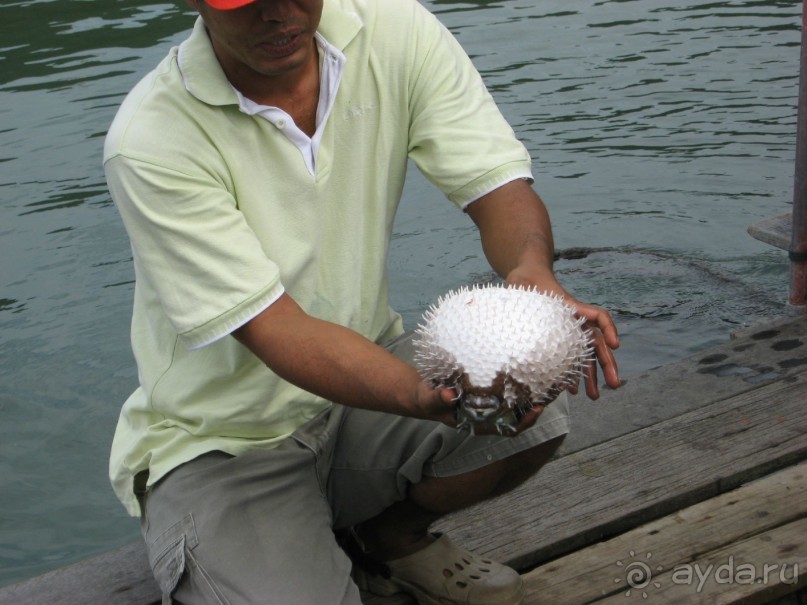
257	170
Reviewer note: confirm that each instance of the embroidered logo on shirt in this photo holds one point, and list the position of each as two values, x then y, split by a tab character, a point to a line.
358	111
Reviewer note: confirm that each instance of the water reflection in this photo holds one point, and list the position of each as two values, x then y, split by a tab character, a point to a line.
462	5
48	39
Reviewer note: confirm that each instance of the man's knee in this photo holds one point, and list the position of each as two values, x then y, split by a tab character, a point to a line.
538	455
448	494
519	467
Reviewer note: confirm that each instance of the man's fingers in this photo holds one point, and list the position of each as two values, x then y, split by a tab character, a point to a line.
599	320
592	389
608	329
529	418
607	360
448	396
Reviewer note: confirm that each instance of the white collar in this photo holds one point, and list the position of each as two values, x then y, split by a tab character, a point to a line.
331	66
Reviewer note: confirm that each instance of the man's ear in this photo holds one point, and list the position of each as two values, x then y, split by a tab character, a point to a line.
194	4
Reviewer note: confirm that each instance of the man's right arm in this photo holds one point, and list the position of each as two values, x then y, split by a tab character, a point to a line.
339	364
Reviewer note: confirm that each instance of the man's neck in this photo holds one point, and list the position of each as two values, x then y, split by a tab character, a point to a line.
295	92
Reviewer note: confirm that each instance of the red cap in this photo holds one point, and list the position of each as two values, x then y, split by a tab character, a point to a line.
228	4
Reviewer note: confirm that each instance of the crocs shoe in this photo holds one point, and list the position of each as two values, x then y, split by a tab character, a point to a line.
443	574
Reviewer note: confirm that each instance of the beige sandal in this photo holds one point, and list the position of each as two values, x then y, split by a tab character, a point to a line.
443	574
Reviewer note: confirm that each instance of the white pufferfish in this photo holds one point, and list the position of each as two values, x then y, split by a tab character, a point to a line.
503	349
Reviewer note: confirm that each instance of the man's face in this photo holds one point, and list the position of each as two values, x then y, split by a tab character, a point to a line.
271	38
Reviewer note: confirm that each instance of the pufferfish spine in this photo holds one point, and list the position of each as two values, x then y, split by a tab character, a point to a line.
504	349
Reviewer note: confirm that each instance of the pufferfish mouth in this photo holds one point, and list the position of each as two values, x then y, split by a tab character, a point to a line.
481	407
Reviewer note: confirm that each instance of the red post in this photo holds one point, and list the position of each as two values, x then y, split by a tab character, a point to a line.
798	241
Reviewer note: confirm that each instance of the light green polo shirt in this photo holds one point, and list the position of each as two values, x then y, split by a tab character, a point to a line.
224	216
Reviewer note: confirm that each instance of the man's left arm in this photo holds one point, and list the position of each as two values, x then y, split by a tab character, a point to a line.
517	240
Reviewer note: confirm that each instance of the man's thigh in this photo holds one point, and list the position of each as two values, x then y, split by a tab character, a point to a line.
245	530
378	456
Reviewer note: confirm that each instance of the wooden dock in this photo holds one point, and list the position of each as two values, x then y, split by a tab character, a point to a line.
687	485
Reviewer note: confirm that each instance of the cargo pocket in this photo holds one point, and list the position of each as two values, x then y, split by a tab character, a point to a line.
168	556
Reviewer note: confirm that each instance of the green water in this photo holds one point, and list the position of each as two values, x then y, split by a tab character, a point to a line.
659	131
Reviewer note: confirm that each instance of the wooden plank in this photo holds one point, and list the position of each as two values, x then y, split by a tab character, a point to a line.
396	599
794	598
615	486
752	572
588	574
758	356
120	576
776	231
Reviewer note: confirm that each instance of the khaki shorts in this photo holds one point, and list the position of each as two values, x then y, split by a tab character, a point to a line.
259	528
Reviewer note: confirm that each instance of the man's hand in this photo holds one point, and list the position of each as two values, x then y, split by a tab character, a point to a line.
340	365
605	339
517	239
436	404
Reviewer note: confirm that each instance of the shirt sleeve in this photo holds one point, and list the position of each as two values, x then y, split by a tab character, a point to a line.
458	137
193	249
